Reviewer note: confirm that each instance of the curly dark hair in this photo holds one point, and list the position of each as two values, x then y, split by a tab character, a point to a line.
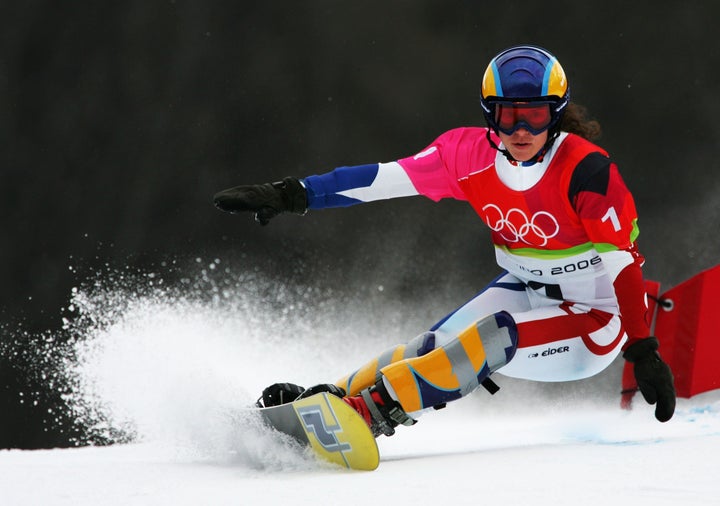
575	120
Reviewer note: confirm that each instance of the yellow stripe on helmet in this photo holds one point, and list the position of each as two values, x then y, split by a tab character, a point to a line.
489	83
556	81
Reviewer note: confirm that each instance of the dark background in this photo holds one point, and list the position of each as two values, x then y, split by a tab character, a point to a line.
120	120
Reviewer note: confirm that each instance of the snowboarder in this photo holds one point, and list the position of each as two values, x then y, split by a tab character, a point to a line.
570	296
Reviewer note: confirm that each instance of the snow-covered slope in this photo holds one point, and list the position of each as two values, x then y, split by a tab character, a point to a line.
171	373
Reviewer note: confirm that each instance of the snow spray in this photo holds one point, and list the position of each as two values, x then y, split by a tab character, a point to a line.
174	365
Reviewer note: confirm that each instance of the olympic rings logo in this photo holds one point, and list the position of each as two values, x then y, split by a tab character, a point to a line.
535	231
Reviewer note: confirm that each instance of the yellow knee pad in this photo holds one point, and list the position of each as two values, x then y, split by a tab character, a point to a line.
369	374
455	369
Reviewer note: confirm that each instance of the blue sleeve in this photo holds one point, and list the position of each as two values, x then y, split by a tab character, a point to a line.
326	190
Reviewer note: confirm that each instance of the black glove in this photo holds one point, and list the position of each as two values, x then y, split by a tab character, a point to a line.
265	200
653	376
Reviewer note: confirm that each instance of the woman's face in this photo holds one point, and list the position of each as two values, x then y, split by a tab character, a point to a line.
523	145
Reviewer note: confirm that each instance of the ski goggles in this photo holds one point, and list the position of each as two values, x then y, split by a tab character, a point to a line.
533	116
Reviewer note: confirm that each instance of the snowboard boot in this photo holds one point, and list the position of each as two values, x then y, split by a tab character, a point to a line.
282	393
381	412
279	393
323	387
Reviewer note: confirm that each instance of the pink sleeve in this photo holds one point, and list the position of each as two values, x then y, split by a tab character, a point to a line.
435	171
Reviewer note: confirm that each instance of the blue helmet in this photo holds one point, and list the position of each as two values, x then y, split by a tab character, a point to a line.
524	75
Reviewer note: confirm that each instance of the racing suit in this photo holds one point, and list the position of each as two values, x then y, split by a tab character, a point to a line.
564	231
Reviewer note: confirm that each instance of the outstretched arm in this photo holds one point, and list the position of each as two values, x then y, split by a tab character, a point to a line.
341	187
434	173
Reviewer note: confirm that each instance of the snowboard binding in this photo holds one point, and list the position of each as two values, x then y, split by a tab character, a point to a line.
282	393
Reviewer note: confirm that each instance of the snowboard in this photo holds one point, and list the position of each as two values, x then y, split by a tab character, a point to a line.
334	431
